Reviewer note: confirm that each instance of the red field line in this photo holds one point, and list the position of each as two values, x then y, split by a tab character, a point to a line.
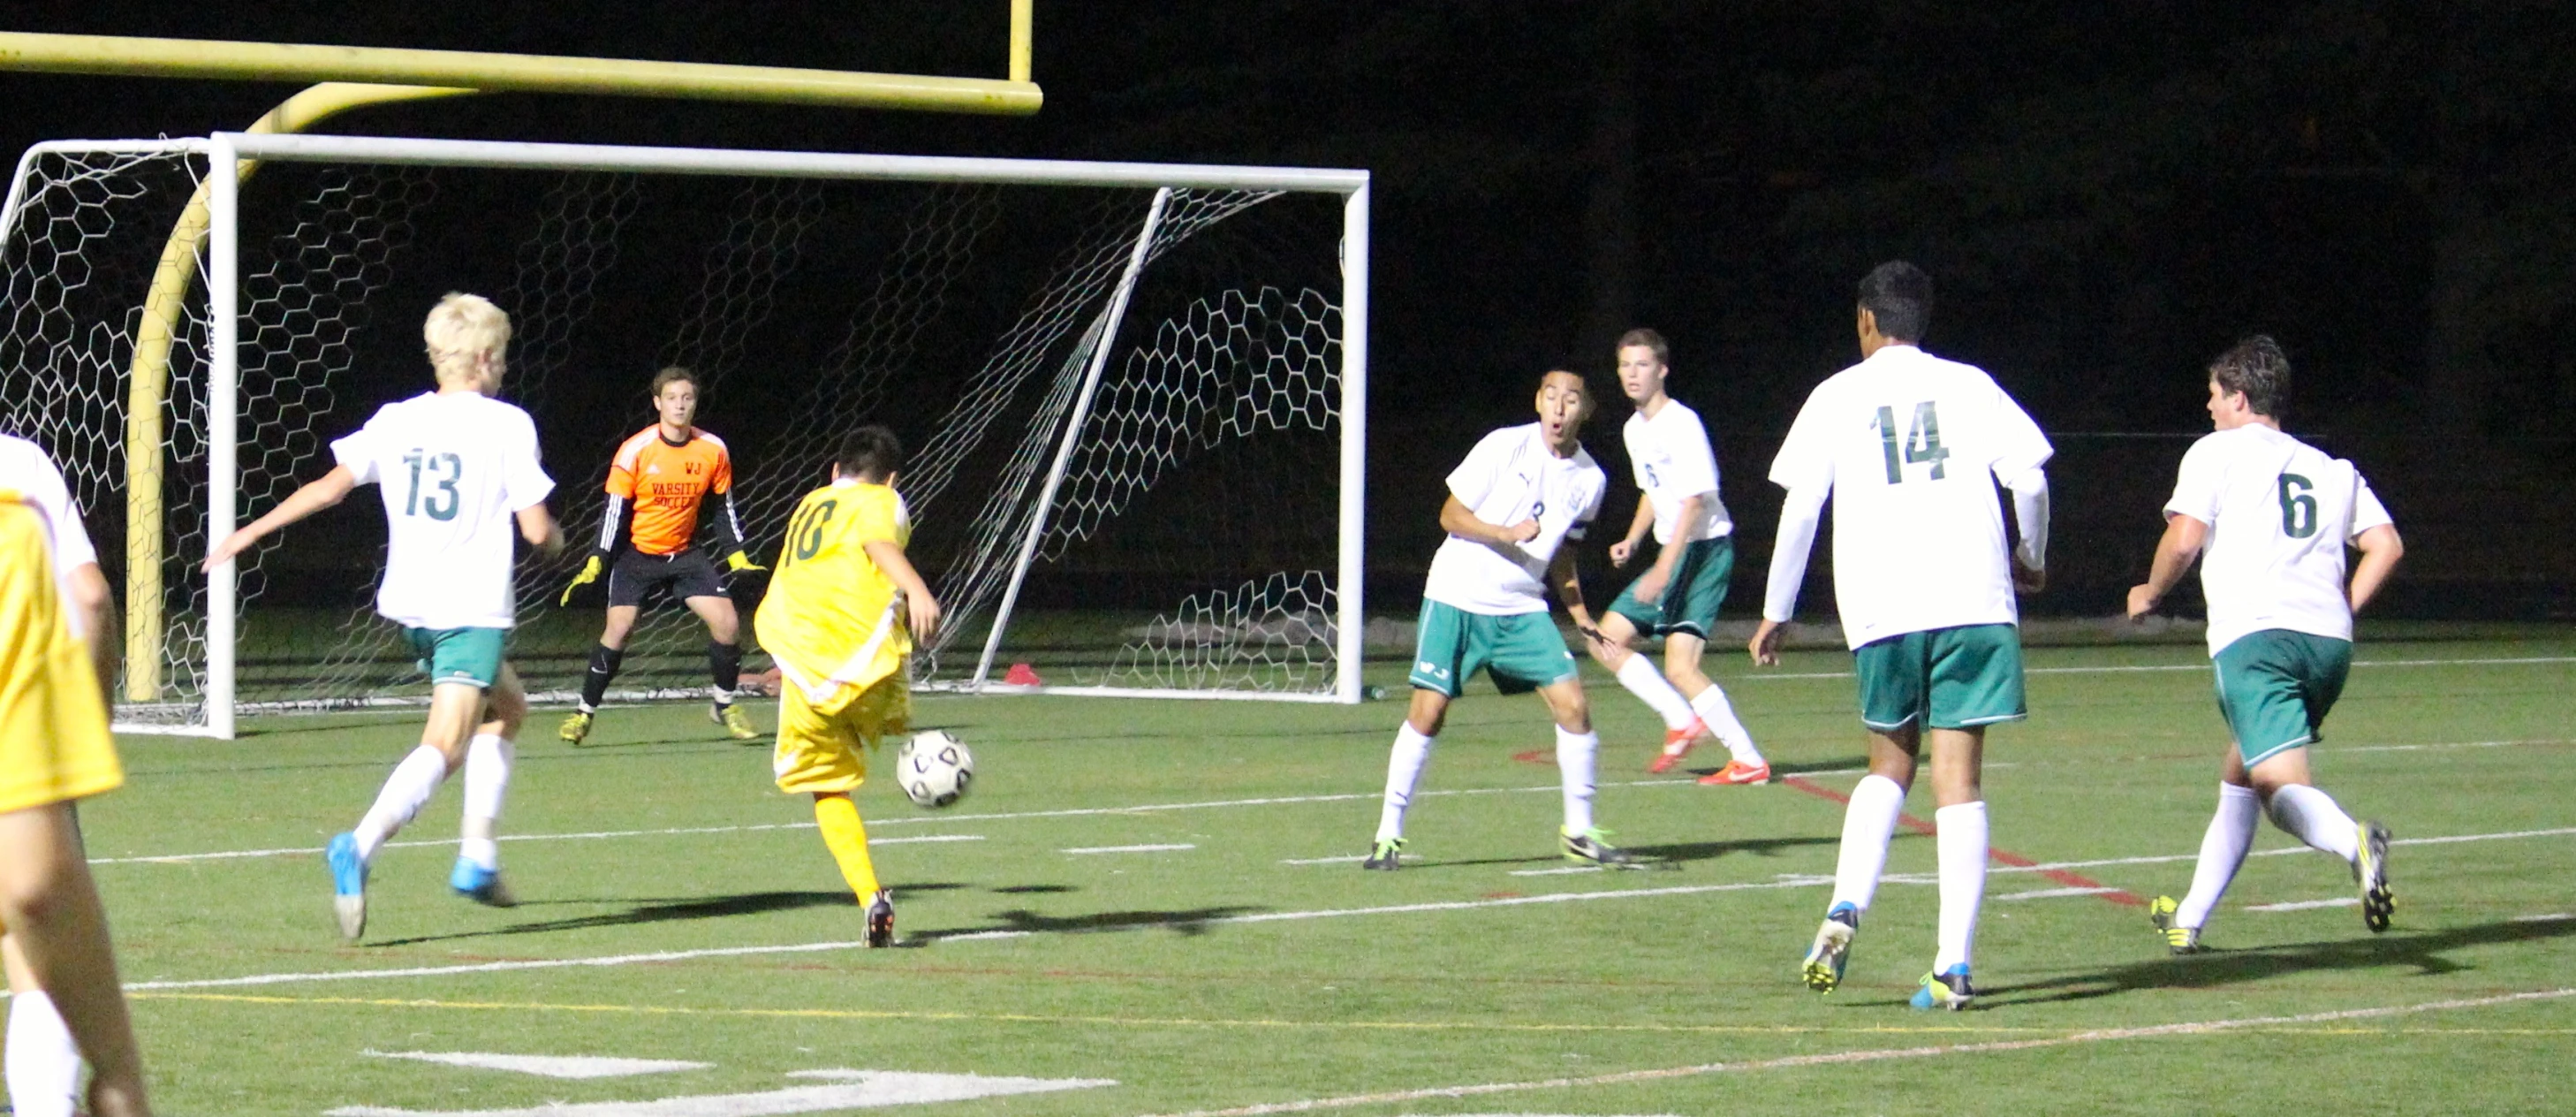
2119	896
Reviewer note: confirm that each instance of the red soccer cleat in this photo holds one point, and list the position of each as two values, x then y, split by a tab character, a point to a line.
1677	744
1739	772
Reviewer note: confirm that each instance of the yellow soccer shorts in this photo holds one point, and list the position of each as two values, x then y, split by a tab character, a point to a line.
54	745
822	746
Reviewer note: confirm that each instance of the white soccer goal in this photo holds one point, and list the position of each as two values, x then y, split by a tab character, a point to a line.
1133	394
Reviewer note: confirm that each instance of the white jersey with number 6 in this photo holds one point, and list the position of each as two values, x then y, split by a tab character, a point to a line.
1674	462
1509	477
452	467
2279	513
1911	447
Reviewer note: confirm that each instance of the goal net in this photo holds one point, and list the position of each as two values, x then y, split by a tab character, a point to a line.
1131	394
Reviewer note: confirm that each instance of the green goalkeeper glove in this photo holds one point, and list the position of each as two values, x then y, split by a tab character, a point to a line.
740	562
589	573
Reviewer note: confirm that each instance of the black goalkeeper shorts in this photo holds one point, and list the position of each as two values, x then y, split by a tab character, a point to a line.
682	574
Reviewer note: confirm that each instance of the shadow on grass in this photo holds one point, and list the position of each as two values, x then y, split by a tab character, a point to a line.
1782	768
663	911
1193	921
1710	851
2422	950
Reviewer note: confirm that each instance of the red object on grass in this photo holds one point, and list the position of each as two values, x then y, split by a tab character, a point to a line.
1021	674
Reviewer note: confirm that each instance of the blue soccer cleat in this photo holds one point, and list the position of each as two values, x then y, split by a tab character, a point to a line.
481	885
348	885
1948	989
1826	957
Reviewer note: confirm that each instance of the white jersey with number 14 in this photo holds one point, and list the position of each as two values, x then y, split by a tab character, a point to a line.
452	468
1911	447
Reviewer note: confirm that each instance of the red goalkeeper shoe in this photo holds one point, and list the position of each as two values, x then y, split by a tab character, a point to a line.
1739	772
1677	744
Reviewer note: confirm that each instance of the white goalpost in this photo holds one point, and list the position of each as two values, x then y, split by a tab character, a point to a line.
1134	394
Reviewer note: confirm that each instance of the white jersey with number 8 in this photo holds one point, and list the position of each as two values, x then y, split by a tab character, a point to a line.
1912	447
452	468
2279	513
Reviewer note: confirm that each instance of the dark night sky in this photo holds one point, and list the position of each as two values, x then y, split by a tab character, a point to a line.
2107	194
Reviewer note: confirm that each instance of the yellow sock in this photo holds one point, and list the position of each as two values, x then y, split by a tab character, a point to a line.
847	838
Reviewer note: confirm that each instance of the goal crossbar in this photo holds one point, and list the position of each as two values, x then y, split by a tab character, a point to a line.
226	153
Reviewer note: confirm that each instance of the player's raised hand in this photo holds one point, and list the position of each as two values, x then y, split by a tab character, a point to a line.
589	573
1521	532
1621	552
740	563
1765	645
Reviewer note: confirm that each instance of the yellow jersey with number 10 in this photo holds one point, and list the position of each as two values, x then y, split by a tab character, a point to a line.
833	619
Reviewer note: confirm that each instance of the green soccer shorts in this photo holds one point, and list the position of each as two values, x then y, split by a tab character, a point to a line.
1522	651
458	655
2275	686
1944	678
1689	602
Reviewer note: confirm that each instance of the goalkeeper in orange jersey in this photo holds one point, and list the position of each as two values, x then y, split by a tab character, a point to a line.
841	618
659	483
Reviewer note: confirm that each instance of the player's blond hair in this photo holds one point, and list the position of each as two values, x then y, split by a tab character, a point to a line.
462	328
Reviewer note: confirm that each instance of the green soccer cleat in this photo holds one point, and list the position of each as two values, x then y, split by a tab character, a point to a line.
1823	970
2179	940
881	919
1944	990
2370	871
1591	848
737	723
1382	859
576	728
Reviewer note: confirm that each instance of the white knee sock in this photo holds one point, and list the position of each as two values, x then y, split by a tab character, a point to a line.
413	782
2222	851
1714	709
487	784
2312	816
1651	688
1404	766
1574	756
1963	881
1868	823
43	1064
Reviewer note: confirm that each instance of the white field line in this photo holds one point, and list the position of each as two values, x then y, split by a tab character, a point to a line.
227	855
1353	859
1159	848
2552	917
1832	1058
2138	668
2307	905
2052	893
1784	881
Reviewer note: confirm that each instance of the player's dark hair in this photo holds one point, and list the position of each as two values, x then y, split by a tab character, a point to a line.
1651	340
1899	295
2257	367
870	453
674	375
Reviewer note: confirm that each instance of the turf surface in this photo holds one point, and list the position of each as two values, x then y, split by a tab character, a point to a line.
1219	975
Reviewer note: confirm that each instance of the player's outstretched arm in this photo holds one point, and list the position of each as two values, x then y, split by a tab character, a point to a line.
2380	549
1457	519
921	610
2030	516
329	489
2182	541
1567	579
1800	514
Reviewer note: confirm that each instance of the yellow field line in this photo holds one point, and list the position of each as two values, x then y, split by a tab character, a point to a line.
1033	1018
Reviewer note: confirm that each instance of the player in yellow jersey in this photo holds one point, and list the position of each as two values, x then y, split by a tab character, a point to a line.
55	750
840	619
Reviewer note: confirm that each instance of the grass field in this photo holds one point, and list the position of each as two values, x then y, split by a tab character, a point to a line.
1219	951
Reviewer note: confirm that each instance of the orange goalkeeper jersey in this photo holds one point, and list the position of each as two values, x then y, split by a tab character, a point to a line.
667	484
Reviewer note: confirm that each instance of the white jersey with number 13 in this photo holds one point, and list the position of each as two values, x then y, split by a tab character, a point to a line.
452	468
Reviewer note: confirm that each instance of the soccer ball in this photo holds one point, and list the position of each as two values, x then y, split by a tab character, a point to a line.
934	768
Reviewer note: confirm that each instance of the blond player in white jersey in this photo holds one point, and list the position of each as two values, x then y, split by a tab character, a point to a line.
457	468
1677	597
1910	448
56	663
2269	517
1520	495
